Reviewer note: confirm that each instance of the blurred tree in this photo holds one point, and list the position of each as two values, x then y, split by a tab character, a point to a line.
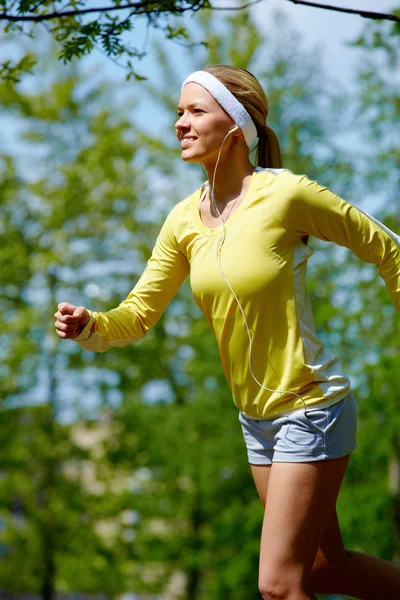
68	204
163	496
369	317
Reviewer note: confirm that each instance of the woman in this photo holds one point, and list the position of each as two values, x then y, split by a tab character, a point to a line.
243	238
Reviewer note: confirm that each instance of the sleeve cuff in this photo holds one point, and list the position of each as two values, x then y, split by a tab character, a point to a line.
85	333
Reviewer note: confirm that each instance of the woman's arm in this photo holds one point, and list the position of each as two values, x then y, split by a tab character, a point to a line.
311	209
165	272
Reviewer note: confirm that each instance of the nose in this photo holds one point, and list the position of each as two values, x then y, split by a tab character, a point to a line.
182	123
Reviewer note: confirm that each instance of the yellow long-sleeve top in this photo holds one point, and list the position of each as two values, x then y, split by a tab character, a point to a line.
264	259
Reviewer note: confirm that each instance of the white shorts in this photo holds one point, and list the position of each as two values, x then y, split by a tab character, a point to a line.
321	434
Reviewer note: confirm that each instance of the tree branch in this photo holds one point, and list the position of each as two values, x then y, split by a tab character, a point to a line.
149	6
241	7
140	8
363	13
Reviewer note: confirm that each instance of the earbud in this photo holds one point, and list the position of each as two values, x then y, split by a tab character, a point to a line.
233	129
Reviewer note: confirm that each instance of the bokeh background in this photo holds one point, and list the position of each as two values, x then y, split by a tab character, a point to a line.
123	475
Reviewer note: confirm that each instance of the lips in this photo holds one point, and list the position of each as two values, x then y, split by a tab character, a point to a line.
187	141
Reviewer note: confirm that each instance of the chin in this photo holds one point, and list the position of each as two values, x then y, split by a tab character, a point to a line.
193	158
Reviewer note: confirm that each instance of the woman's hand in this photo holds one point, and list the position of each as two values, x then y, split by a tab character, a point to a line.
70	320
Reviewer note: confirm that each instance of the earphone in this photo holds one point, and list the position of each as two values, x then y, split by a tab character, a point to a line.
218	252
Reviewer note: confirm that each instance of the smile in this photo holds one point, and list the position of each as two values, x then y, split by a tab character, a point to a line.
187	141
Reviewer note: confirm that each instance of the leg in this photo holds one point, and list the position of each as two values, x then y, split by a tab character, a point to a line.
299	503
337	570
261	478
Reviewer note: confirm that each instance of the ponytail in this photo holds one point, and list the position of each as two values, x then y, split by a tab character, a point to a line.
248	91
268	149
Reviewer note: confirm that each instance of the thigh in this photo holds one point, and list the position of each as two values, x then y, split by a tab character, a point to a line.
331	550
330	558
331	553
261	478
300	502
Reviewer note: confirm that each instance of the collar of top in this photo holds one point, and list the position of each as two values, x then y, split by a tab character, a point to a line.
227	100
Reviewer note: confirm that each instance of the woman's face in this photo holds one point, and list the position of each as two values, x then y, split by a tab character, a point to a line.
202	124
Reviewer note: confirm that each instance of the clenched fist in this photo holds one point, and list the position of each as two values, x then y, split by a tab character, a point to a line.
70	320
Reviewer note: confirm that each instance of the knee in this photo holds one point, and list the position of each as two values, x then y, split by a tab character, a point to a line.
274	587
326	574
332	564
272	590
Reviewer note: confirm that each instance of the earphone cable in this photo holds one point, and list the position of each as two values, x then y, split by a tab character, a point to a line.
218	251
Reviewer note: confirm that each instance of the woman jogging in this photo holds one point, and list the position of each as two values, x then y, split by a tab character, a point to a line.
243	237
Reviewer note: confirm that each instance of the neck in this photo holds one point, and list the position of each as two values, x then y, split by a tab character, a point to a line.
232	173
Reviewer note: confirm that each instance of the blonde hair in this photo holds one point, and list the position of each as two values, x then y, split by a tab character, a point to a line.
248	91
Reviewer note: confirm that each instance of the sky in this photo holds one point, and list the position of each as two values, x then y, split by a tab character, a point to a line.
329	29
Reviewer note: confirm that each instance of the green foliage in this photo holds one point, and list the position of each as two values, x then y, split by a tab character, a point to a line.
132	495
197	511
11	71
77	36
54	235
381	36
379	104
366	318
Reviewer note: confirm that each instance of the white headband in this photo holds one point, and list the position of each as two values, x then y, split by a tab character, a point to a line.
227	100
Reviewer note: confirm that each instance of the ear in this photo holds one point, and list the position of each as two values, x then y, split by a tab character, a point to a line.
238	133
235	131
